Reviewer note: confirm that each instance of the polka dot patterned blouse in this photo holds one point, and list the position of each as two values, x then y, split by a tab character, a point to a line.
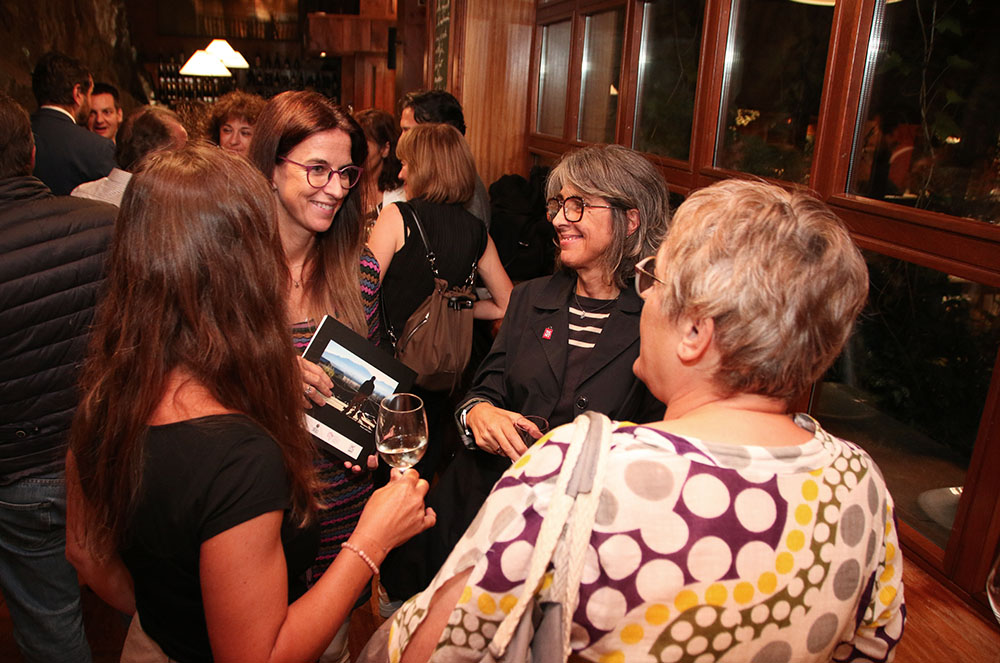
701	552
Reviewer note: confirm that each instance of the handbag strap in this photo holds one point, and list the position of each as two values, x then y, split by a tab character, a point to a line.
431	256
579	484
406	208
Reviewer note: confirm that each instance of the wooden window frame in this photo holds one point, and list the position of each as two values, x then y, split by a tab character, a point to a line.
963	247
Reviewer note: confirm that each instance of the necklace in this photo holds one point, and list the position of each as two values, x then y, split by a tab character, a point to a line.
297	282
603	306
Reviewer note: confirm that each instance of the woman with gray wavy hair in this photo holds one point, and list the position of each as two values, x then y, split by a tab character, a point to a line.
566	344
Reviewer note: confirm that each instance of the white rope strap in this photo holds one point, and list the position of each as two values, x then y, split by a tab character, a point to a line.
577	538
566	580
548	537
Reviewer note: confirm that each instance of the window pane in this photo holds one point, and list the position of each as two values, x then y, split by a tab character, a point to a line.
668	73
775	62
911	384
602	59
929	130
553	72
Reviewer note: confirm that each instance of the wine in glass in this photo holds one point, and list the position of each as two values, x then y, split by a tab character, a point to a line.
401	430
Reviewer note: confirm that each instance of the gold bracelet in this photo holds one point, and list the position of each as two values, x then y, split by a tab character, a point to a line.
362	554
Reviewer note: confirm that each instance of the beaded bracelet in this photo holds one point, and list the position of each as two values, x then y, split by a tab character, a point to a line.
370	543
362	554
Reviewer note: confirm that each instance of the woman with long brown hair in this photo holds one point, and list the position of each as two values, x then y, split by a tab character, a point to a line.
189	479
312	151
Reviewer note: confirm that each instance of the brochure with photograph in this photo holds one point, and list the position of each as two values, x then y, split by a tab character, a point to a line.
362	375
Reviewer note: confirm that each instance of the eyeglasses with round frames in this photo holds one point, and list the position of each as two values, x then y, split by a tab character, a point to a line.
572	207
318	175
644	276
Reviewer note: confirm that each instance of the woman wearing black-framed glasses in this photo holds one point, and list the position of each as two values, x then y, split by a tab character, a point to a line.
568	341
310	150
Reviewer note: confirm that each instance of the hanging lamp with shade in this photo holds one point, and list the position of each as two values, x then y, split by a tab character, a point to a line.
230	57
203	63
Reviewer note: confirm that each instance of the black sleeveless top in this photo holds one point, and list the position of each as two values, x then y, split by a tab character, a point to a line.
457	239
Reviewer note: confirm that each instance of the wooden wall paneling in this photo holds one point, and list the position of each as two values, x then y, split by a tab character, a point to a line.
495	83
347	35
411	51
531	112
373	84
841	99
431	9
456	48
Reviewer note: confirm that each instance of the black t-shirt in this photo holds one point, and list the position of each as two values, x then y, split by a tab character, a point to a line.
201	477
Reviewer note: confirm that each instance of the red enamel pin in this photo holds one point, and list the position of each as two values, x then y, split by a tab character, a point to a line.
547	334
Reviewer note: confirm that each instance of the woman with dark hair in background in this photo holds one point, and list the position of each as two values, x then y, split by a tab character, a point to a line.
310	150
231	124
191	490
382	185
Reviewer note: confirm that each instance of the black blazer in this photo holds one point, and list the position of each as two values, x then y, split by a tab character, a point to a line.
524	373
524	369
67	155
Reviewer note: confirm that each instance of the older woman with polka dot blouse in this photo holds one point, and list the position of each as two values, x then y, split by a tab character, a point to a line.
733	530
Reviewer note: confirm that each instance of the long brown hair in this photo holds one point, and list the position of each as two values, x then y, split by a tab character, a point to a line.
195	283
287	120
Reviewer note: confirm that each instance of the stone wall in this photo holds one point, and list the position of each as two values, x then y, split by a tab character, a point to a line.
94	31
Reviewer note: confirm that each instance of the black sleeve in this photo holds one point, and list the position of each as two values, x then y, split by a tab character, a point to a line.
490	382
250	481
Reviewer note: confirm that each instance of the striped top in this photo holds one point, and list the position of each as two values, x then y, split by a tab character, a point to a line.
369	293
343	493
586	321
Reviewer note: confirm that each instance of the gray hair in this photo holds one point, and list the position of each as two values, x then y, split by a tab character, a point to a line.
776	271
627	180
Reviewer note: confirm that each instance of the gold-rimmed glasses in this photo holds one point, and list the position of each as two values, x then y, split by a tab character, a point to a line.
644	276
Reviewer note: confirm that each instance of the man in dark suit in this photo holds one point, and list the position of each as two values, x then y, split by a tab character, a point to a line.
67	154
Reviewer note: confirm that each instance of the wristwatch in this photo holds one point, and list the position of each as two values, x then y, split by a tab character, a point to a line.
469	440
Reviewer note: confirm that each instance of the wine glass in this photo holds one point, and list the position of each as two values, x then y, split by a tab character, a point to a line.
401	430
540	422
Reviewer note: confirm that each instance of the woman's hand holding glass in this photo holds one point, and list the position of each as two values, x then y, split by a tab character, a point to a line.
393	514
496	430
